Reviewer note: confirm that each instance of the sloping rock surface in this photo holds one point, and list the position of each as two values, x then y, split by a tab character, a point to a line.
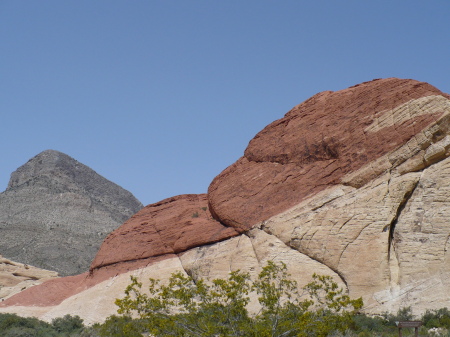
168	227
157	232
16	277
94	295
56	212
317	143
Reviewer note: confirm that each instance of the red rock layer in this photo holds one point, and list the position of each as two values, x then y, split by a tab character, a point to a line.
53	292
312	147
157	232
168	227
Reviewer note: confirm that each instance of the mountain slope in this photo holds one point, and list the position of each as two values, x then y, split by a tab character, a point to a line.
56	211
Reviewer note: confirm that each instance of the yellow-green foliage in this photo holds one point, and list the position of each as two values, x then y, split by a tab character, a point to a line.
219	308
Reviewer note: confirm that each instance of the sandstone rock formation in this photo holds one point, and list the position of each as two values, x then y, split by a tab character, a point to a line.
317	143
16	277
56	212
149	241
351	184
170	226
92	296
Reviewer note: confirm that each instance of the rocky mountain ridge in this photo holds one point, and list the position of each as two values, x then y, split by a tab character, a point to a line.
56	212
351	184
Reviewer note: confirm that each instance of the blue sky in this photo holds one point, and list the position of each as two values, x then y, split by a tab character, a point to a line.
161	96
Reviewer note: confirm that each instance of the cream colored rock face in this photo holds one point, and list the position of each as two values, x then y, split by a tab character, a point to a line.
15	277
421	242
95	304
386	234
249	253
416	107
351	233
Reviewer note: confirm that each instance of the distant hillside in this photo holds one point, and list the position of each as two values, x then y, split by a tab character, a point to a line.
56	212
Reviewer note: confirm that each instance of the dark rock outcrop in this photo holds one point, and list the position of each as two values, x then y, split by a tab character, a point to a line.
56	212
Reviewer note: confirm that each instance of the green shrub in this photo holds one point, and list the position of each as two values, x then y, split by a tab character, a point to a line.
437	318
68	324
219	308
120	326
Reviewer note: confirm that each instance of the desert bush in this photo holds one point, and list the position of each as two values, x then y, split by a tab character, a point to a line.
12	325
219	308
120	326
68	324
437	318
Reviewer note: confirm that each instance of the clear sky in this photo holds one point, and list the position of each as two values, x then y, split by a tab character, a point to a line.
161	96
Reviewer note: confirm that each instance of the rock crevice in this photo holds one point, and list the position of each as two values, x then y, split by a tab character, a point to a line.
400	208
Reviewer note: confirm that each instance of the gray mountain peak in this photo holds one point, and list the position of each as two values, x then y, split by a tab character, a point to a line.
45	163
56	212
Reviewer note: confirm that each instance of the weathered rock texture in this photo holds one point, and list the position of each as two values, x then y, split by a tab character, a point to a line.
387	239
92	301
168	227
156	233
16	277
92	296
317	143
353	184
56	212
